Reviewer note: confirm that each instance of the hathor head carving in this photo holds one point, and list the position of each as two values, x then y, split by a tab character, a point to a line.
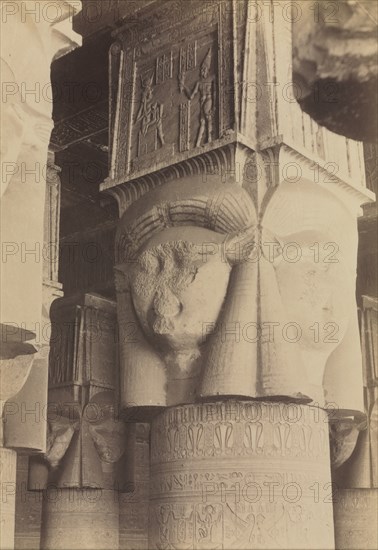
174	272
194	303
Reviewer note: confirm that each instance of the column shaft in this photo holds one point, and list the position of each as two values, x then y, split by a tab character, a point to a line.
79	518
241	475
8	459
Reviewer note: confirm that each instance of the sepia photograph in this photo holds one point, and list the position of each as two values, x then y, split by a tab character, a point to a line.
189	275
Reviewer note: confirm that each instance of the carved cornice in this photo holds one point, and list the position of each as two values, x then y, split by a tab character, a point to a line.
231	161
215	161
318	171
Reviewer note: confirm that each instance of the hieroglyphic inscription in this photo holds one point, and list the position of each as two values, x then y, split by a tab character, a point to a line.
240	475
164	68
188	57
240	429
185	126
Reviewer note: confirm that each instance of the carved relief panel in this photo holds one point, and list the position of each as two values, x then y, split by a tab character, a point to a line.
168	94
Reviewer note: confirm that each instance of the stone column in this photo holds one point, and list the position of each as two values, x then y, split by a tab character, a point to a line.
26	111
79	518
356	479
24	381
25	415
8	461
133	503
241	474
84	465
235	274
27	123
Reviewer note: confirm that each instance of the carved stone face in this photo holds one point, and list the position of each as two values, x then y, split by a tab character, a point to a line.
284	324
314	271
316	290
178	286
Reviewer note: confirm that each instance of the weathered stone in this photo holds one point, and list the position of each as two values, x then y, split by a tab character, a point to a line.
8	460
238	474
360	471
213	189
186	344
96	519
335	65
236	256
133	504
26	118
355	516
28	509
86	439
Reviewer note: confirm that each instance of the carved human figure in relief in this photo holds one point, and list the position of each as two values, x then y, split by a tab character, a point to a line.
173	526
150	113
205	87
206	521
218	304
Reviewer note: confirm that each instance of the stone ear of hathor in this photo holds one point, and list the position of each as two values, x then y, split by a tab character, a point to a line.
226	302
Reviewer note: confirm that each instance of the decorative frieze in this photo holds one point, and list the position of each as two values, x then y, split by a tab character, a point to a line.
238	429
